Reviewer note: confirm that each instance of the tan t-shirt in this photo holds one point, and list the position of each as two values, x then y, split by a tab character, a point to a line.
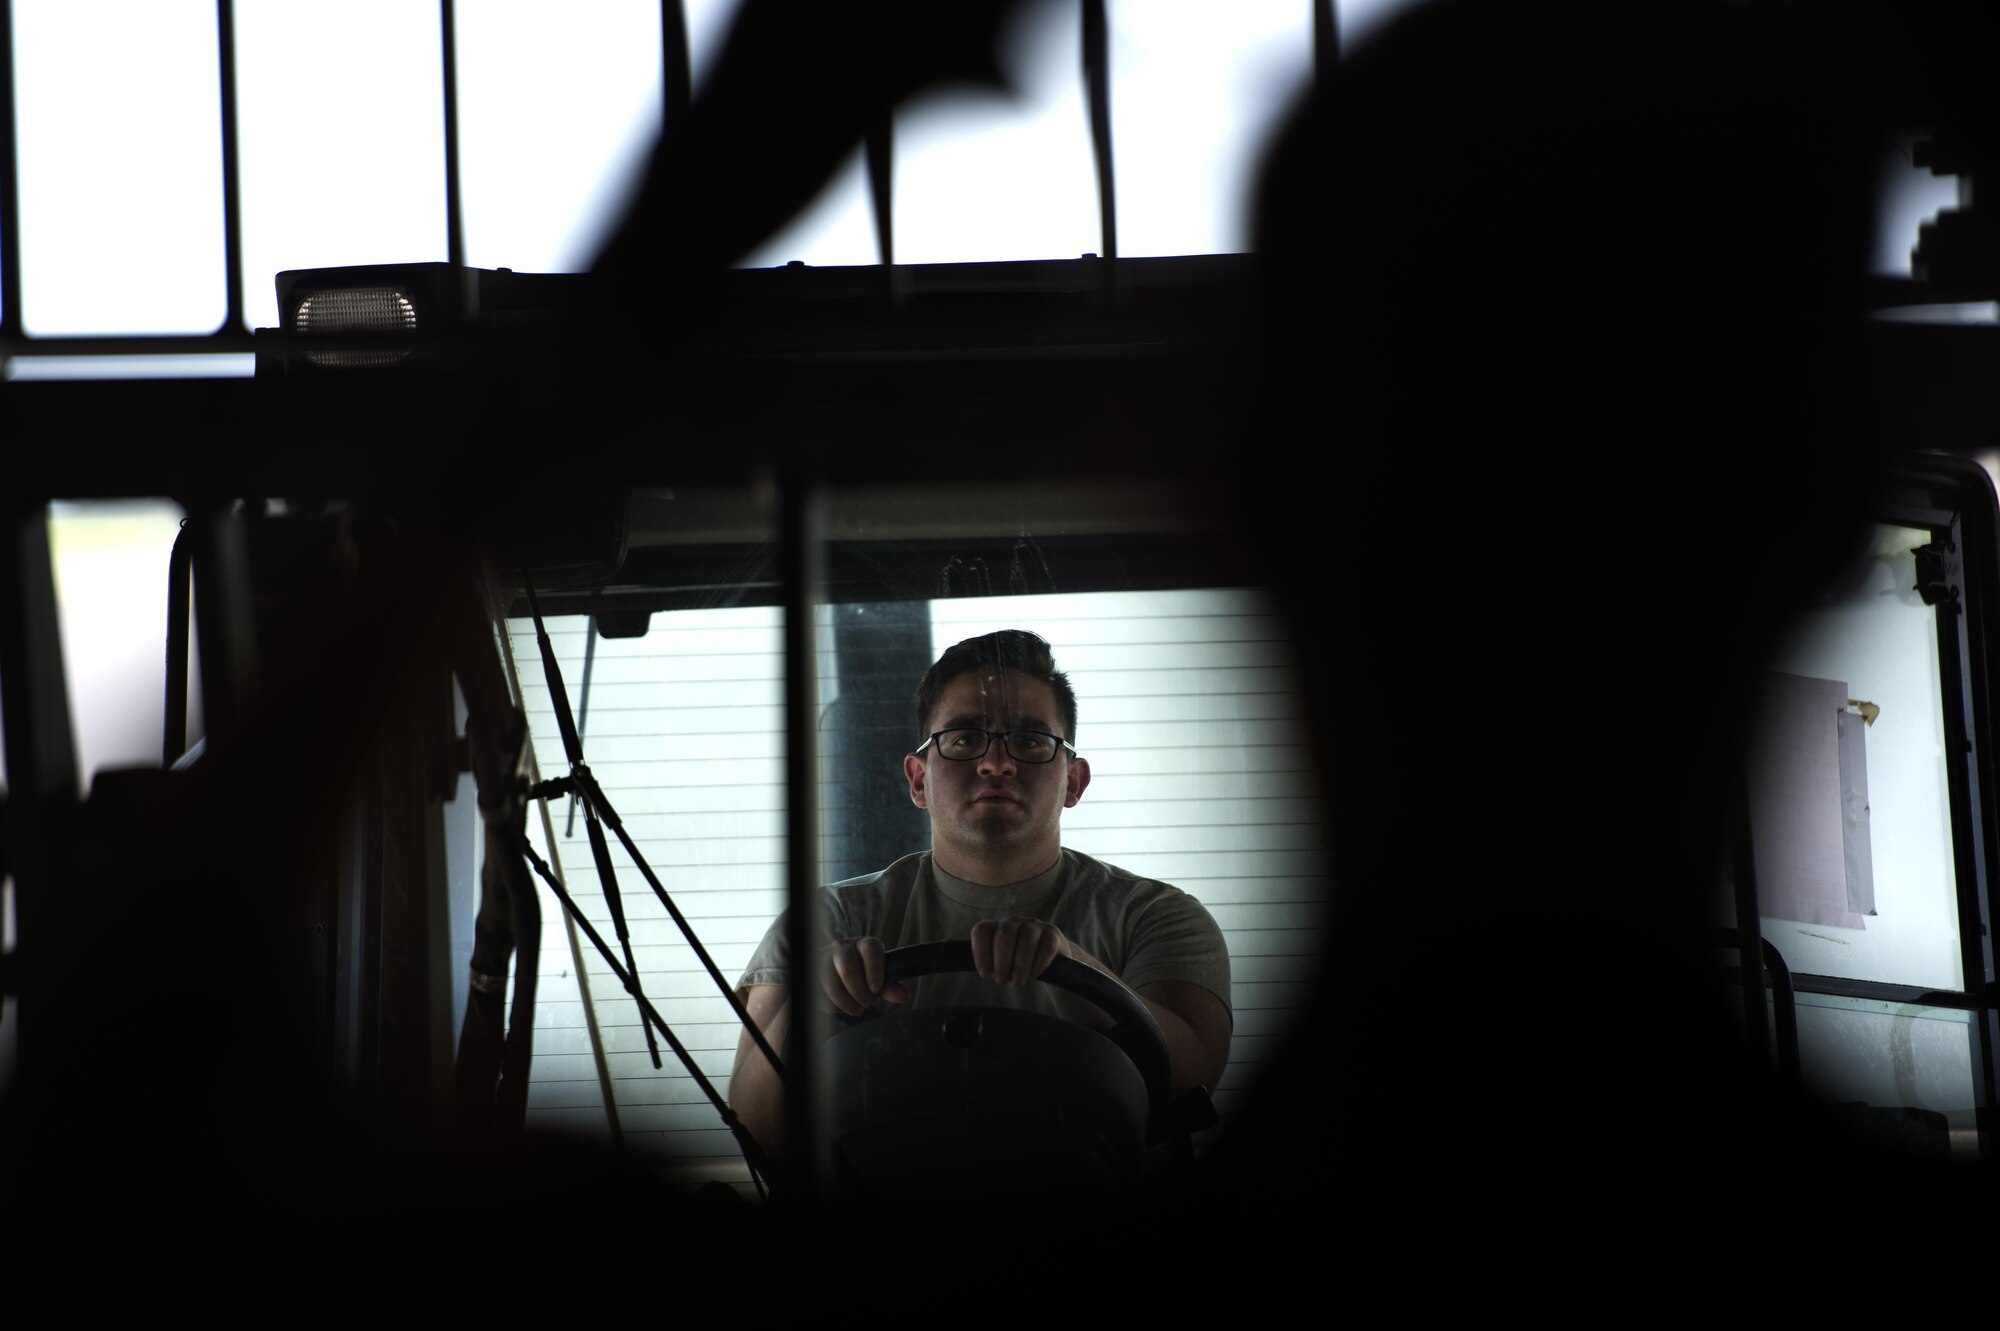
1142	930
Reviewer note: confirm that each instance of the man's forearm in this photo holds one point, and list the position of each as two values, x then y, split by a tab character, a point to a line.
756	1094
1196	1061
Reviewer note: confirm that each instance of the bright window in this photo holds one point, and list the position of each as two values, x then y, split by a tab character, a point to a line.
120	166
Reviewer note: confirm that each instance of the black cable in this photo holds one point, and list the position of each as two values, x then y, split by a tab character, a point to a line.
598	812
600	853
607	877
583	706
594	800
584	786
753	1154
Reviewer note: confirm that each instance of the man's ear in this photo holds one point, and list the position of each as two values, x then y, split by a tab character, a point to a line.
1079	777
914	771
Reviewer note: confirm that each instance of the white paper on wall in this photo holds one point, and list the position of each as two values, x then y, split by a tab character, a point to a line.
1799	810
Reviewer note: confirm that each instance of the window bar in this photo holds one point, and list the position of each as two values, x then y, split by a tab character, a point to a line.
807	1147
10	197
232	194
676	64
1097	84
453	211
1326	40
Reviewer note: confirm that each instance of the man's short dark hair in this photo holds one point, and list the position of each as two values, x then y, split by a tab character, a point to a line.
1010	649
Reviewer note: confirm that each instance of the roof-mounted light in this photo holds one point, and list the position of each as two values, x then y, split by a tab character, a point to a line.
336	310
351	318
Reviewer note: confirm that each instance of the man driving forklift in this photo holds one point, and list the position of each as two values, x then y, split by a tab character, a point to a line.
996	767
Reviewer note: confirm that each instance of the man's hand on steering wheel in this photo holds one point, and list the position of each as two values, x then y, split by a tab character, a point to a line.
1018	949
851	976
1015	951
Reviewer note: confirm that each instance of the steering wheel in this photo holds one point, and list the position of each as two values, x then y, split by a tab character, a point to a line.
1133	1028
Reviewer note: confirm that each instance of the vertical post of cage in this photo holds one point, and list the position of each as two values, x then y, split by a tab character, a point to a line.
454	221
10	186
233	321
1097	87
807	1147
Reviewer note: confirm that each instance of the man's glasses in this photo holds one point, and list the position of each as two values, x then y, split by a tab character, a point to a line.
1025	746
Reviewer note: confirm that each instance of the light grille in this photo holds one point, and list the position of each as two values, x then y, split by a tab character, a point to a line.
356	310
